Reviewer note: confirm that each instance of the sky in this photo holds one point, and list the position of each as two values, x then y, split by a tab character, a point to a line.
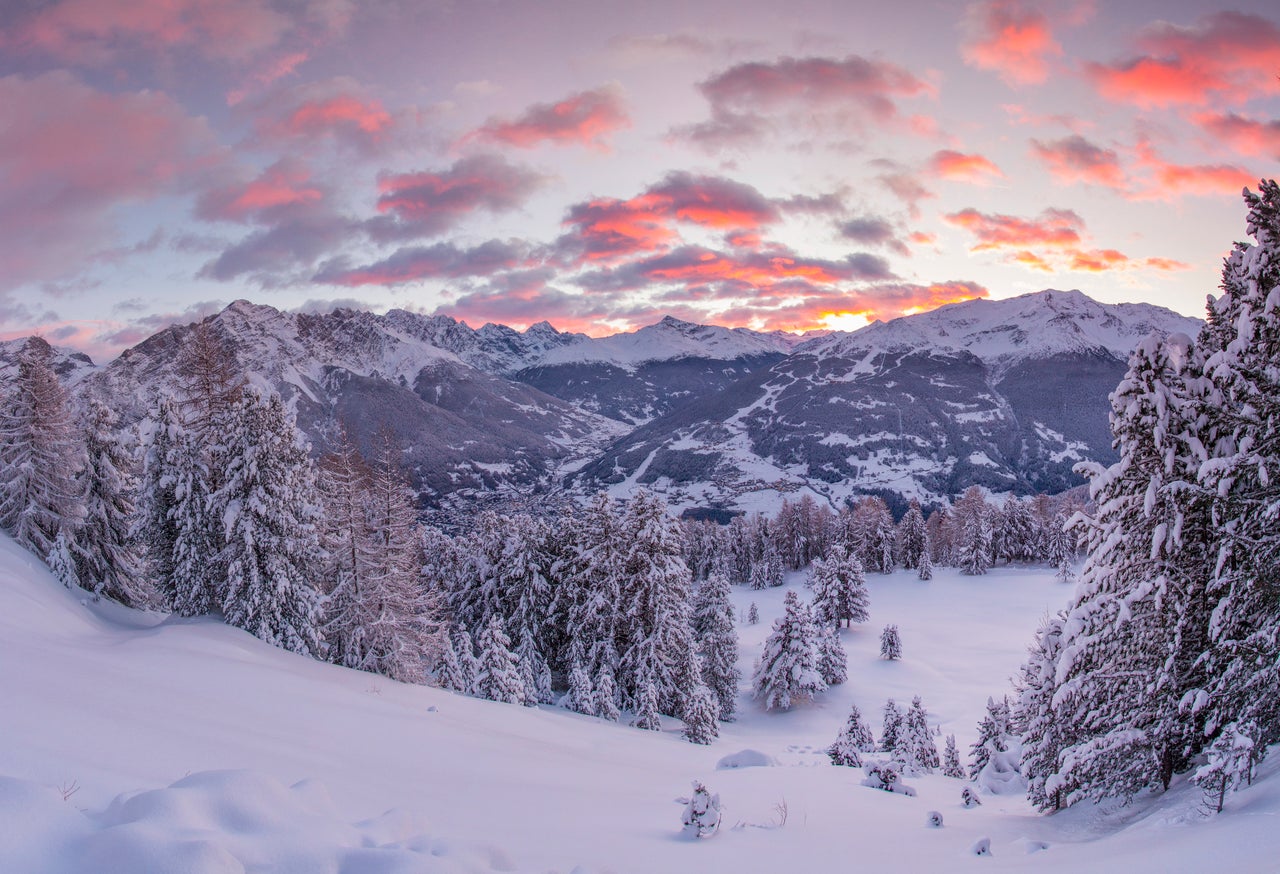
794	166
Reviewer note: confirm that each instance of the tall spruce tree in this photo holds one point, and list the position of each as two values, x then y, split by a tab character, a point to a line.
839	588
717	642
269	509
912	538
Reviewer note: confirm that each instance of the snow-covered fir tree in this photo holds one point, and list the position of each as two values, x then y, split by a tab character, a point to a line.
839	588
40	455
753	614
767	571
1140	622
1044	734
1015	536
647	716
916	746
655	639
717	642
499	677
912	538
993	736
1228	766
833	663
607	695
585	604
872	536
951	766
581	697
788	670
701	816
451	670
890	726
156	526
109	561
269	508
890	643
701	716
854	740
971	524
925	569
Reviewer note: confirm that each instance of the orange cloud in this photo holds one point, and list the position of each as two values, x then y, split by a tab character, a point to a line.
959	167
1074	159
1168	180
1230	56
586	118
1010	40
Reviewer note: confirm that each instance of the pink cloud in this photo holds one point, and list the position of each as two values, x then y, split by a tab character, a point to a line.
97	31
587	118
283	185
1231	56
1011	40
1247	136
1053	227
69	154
960	167
1075	159
427	203
1169	180
790	82
418	263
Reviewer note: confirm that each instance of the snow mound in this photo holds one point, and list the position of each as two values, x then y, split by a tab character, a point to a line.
746	759
214	822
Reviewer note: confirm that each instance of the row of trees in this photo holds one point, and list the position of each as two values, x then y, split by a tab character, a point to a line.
973	534
1171	649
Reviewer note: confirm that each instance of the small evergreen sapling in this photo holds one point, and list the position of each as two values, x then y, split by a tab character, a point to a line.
607	695
890	643
951	766
581	697
925	571
969	797
701	717
886	776
833	663
753	614
854	739
1229	766
647	717
891	726
499	678
701	817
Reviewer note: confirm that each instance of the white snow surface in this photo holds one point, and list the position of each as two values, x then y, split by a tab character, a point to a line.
1004	332
186	745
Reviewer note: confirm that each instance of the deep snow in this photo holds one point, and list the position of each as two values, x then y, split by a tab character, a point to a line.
317	768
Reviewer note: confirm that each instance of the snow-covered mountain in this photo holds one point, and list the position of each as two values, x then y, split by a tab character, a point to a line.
70	365
461	427
1007	394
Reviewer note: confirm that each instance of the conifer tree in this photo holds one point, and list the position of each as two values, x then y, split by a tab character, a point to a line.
39	455
951	766
717	642
839	589
916	744
788	669
62	561
890	727
450	673
499	677
912	539
156	526
1044	733
269	509
993	736
701	716
833	663
647	716
890	643
607	695
753	614
971	522
854	739
925	568
110	563
581	697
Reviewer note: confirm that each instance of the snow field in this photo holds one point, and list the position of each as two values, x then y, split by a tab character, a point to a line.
318	768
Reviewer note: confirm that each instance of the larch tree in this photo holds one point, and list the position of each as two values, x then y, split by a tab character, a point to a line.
40	455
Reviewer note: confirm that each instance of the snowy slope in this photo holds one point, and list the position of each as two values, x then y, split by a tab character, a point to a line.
670	339
332	770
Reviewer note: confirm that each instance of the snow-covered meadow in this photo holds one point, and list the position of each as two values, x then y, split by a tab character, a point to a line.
319	768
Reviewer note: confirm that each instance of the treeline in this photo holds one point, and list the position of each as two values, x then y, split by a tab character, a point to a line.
973	534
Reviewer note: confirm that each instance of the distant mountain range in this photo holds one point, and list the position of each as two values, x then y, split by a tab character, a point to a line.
1008	394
